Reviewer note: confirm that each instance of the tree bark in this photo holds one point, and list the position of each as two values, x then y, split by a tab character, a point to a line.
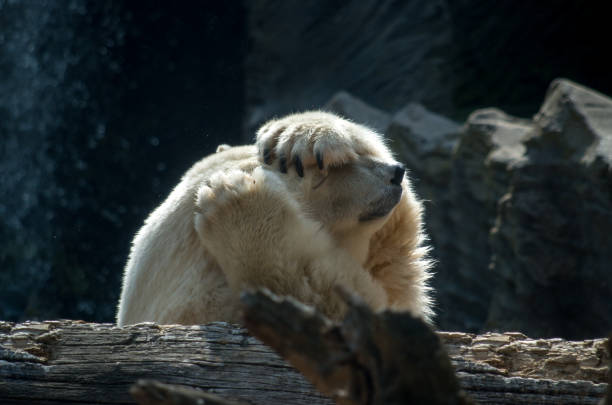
367	359
150	392
395	358
70	361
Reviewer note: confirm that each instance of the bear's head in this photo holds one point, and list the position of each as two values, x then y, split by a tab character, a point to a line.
355	194
344	176
352	201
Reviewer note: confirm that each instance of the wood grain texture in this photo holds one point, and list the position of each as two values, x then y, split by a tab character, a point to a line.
150	392
69	361
366	359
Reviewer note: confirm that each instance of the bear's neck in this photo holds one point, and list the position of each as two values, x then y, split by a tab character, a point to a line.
356	243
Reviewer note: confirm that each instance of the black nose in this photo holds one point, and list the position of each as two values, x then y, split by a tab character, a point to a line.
398	175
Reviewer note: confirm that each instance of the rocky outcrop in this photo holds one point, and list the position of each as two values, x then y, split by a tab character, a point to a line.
433	54
552	239
519	212
450	56
347	105
385	52
489	139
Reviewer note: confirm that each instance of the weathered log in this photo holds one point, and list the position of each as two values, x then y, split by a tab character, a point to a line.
369	345
368	359
70	361
608	400
149	392
55	361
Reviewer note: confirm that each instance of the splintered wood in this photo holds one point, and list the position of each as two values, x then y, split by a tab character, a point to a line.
69	361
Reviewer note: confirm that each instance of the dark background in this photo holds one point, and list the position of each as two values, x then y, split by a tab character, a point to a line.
103	105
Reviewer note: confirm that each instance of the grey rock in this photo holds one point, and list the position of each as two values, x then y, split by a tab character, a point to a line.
522	234
490	143
385	52
425	142
349	106
420	136
576	124
519	211
552	238
450	56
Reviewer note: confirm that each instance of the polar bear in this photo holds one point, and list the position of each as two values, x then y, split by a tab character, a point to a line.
317	202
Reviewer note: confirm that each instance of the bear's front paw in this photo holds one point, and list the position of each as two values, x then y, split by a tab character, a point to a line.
313	138
236	207
222	195
243	219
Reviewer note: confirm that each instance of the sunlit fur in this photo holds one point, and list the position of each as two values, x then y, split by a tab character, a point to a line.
236	221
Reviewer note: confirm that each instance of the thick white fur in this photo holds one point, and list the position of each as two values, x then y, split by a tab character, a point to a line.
235	223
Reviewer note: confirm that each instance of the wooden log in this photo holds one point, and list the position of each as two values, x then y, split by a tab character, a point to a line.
150	392
70	361
608	400
367	359
62	361
371	344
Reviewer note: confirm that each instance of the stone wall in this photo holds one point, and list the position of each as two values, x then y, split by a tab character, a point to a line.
103	106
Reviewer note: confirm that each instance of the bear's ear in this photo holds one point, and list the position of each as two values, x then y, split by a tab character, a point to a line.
223	147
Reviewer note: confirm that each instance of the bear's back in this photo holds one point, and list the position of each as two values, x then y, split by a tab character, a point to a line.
166	252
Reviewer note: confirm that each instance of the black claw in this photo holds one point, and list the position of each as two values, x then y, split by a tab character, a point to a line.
267	155
298	166
282	163
319	160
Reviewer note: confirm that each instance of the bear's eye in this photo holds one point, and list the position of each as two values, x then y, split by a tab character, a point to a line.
317	185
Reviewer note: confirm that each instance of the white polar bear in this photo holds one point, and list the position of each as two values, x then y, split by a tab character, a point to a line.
318	202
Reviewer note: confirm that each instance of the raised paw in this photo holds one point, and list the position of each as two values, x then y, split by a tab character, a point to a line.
230	200
238	216
316	138
222	192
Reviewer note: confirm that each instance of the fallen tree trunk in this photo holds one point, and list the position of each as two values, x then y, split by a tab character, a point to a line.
392	357
150	392
70	361
367	359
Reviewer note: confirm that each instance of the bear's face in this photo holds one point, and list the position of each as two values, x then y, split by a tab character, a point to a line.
354	197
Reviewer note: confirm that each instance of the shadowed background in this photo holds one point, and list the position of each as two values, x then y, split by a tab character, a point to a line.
103	106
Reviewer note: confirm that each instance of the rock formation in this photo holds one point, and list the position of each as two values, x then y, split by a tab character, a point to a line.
552	239
450	56
519	212
389	52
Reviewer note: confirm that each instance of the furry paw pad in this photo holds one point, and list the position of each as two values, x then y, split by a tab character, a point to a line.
315	138
222	191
